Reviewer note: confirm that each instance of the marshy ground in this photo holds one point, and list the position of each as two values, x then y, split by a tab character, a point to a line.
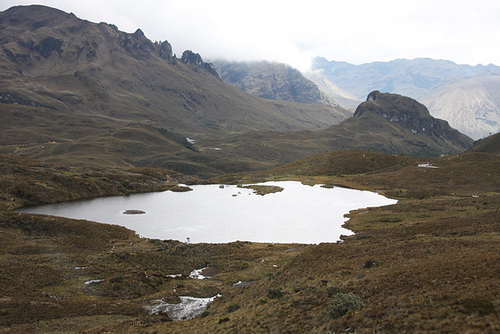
426	264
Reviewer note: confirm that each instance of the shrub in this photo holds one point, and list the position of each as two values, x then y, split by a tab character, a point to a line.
370	264
333	290
344	302
232	308
274	293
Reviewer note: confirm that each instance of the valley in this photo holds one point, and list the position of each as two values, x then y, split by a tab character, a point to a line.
88	111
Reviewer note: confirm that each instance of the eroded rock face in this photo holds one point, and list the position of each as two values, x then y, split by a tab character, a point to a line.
195	60
403	110
138	45
166	50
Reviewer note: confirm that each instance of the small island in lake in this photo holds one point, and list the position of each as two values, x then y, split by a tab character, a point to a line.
262	189
134	212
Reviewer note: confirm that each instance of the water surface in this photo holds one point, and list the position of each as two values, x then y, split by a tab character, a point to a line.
209	213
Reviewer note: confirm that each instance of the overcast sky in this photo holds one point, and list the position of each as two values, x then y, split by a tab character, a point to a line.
292	32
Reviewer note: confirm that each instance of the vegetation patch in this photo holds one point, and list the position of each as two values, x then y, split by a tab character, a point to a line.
343	303
262	189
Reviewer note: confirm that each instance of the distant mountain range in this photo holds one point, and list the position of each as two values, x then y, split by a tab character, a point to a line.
413	78
466	96
470	105
463	95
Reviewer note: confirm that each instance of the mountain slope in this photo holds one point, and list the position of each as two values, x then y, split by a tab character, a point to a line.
271	80
408	125
76	84
472	105
343	98
386	123
489	145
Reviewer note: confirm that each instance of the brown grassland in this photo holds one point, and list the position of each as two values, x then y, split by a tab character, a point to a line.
428	264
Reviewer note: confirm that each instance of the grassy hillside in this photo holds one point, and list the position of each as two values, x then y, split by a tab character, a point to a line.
81	86
391	124
489	144
422	265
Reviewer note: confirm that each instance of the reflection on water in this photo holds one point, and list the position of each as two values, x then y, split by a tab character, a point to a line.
213	214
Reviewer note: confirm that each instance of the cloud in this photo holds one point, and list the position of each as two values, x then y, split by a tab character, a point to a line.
292	32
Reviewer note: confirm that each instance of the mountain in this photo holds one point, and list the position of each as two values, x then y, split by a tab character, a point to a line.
271	80
343	98
388	123
83	93
407	123
472	105
412	78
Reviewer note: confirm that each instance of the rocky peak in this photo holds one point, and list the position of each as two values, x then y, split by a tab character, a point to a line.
373	95
35	33
194	59
138	45
165	50
404	111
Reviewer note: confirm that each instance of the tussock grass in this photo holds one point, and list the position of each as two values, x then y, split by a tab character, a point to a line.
426	264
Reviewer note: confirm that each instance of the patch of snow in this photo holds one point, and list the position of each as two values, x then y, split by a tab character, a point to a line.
93	281
174	276
191	141
196	274
188	308
427	165
79	268
241	283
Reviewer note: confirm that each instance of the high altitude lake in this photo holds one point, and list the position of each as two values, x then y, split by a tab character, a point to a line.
215	214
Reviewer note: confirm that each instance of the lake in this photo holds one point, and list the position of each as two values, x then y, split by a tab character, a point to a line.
221	214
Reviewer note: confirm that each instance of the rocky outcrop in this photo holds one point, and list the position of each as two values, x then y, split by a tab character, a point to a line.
9	98
195	60
138	45
410	115
165	49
